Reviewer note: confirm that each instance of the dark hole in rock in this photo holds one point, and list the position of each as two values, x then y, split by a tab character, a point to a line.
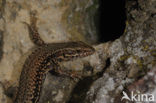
80	91
110	19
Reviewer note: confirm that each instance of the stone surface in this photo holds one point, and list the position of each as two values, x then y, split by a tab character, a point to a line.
58	21
2	96
58	89
145	85
1	44
131	56
113	68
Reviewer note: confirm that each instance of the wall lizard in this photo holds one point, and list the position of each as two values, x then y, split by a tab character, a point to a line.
44	58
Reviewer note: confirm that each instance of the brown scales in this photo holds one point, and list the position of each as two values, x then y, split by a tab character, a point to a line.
44	58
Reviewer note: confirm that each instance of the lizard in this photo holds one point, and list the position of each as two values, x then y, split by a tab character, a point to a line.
44	58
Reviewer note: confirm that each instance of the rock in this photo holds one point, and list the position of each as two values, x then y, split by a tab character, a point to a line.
58	89
131	56
1	44
105	74
3	97
54	24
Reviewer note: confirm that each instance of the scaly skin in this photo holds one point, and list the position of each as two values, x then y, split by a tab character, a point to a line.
44	58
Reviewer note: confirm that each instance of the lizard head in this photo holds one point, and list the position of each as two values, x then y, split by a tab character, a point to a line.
71	50
79	49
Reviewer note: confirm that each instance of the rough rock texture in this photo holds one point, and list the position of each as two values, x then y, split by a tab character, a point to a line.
58	21
145	85
58	89
2	96
131	56
113	68
1	44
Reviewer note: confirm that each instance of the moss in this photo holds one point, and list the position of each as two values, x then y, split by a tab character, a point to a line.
153	52
140	63
124	57
126	27
146	47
